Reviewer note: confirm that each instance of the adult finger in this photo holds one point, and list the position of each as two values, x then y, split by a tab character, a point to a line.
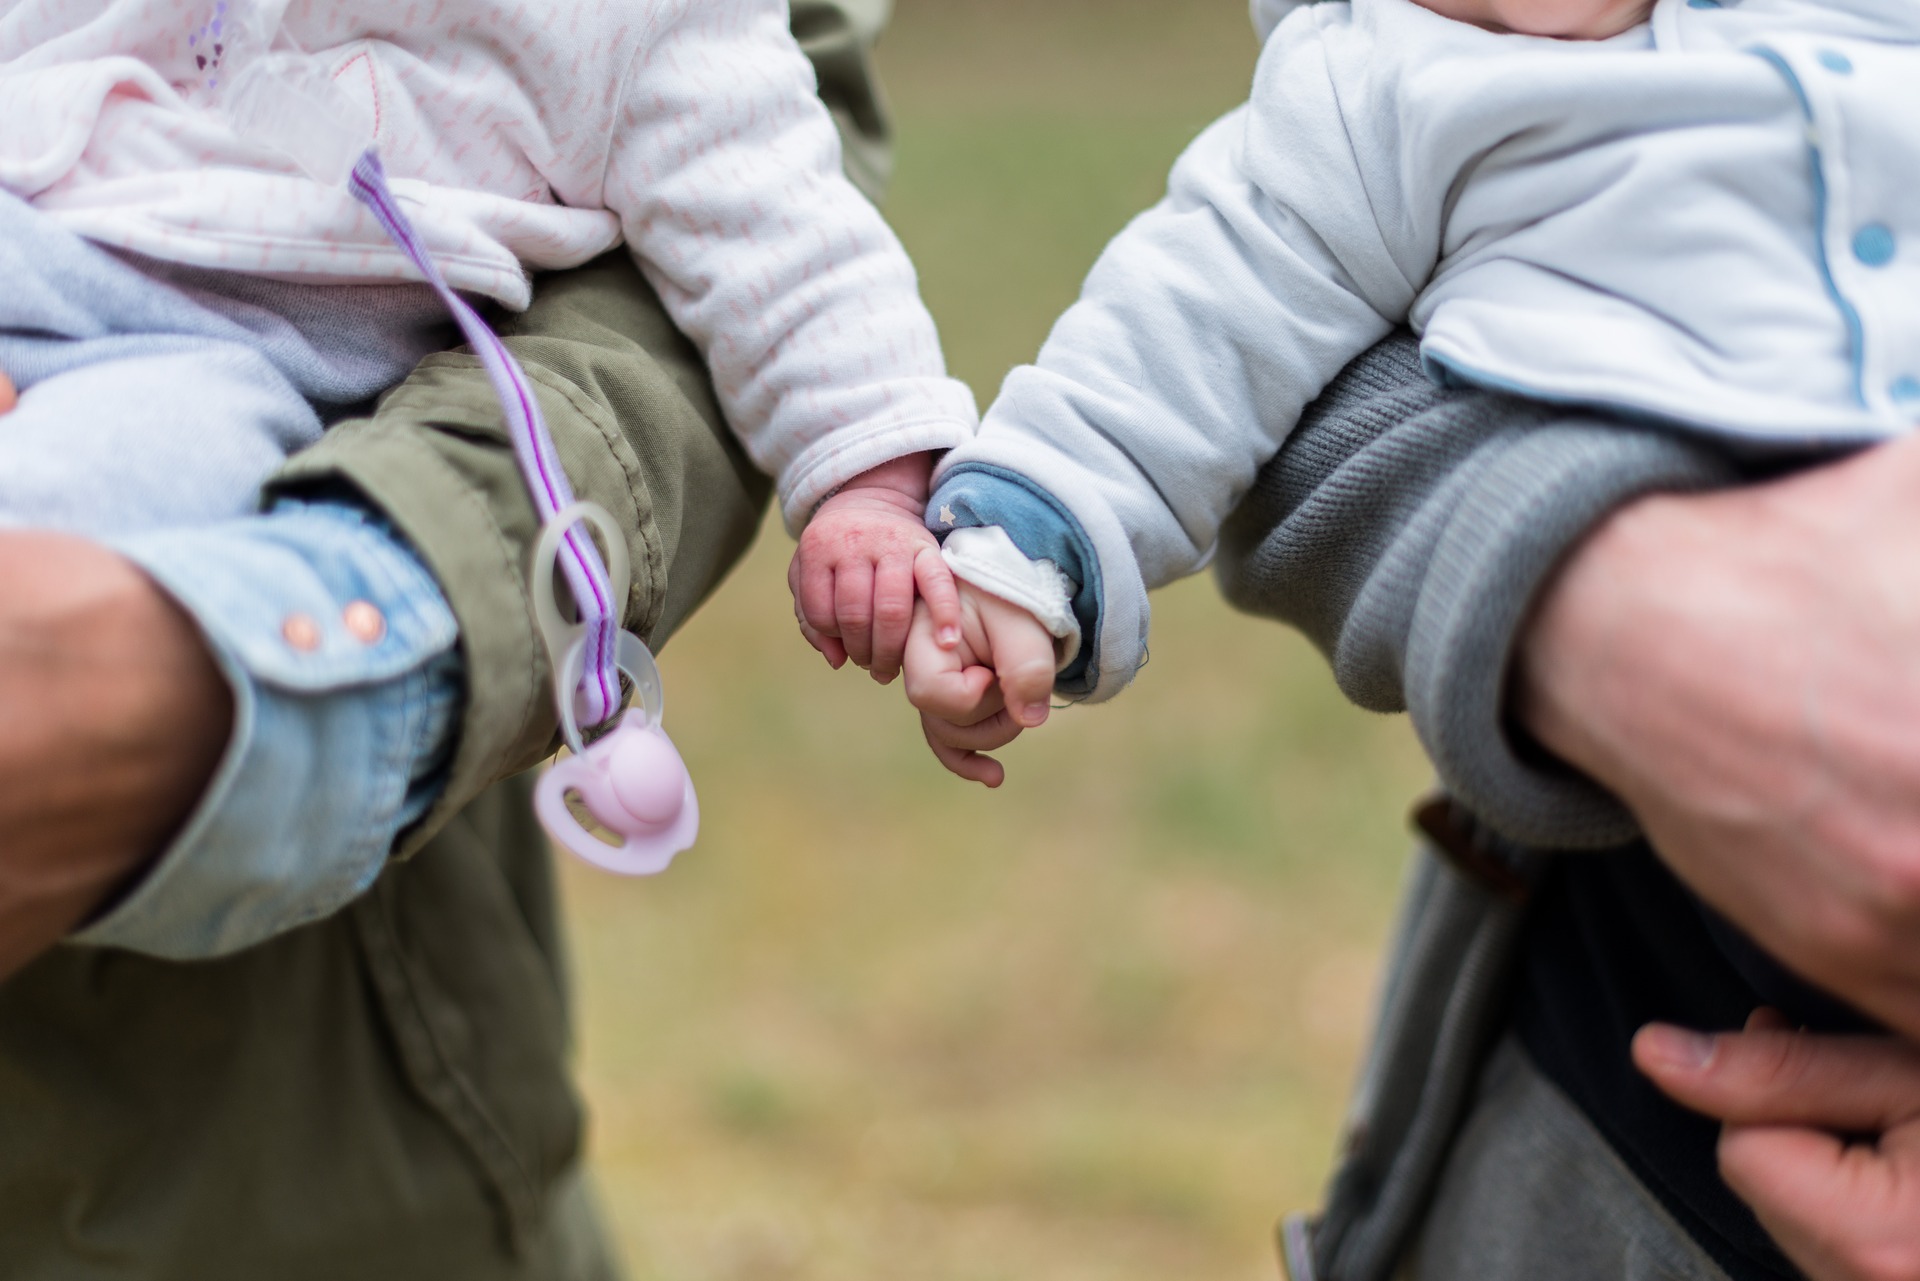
1842	1212
1776	1077
969	765
893	582
1023	659
941	593
853	608
8	397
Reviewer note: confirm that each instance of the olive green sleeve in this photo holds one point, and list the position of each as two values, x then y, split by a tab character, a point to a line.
838	35
637	428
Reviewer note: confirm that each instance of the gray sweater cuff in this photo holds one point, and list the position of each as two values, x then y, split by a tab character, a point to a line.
1518	511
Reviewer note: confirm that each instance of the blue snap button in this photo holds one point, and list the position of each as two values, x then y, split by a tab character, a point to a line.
1836	62
1873	244
1905	389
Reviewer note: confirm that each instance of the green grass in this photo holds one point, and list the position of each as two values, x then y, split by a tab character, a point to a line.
1099	1024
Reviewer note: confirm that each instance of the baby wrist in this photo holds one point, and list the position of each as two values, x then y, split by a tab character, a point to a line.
987	558
910	476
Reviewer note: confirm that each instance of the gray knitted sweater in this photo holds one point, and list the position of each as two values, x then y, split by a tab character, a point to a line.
1407	530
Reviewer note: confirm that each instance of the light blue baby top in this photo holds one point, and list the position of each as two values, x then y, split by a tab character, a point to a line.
1707	222
154	402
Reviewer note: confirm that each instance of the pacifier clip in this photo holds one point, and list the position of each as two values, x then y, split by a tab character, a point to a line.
632	780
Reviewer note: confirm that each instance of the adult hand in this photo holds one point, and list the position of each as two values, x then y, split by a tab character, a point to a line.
113	718
1843	1210
1743	670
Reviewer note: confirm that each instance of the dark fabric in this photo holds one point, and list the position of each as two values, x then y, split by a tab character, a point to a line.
385	1096
1615	943
1407	531
1533	1192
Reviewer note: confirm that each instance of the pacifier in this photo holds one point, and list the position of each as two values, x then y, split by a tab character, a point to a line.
631	781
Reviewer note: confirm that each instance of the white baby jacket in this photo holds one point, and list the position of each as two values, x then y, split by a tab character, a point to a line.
1711	221
519	134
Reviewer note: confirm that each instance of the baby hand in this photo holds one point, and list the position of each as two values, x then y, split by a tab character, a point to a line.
861	559
980	694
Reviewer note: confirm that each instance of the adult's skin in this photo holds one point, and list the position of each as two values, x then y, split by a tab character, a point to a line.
116	717
1795	1107
1737	666
1742	668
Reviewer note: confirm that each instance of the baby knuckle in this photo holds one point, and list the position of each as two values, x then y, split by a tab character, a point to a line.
1032	673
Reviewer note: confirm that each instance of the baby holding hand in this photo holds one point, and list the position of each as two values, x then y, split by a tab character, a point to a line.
1667	210
195	294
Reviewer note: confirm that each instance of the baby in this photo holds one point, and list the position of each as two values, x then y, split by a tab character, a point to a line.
193	293
1675	211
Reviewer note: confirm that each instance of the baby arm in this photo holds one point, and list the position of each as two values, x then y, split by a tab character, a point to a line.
725	170
1200	335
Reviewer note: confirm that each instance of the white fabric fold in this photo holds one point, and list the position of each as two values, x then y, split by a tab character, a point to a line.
987	558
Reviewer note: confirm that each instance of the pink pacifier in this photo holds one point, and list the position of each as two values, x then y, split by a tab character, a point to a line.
632	780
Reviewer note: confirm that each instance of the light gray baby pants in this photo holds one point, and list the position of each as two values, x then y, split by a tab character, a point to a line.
155	396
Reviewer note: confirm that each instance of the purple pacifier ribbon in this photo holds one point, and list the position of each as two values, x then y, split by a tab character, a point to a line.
598	697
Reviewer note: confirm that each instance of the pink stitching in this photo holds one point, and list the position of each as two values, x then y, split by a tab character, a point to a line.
373	85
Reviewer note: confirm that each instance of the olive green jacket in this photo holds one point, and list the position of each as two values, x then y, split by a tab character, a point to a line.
388	1093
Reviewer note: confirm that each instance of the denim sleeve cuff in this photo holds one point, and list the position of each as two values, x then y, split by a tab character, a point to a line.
975	495
340	650
988	559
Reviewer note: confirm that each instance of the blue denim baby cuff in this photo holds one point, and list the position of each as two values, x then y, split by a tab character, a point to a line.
347	684
975	495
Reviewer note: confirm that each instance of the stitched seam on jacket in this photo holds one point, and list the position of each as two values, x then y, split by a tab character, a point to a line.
431	1072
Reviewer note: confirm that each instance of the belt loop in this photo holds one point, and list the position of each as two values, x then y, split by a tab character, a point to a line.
1471	847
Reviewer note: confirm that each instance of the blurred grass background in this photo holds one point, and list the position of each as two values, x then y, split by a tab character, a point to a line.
1098	1025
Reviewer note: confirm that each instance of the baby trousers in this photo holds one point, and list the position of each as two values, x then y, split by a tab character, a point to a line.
155	395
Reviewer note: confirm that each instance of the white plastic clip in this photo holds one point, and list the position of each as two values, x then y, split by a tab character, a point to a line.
632	781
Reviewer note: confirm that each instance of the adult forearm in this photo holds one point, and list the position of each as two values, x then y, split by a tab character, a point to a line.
113	717
1736	666
1408	530
1741	669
